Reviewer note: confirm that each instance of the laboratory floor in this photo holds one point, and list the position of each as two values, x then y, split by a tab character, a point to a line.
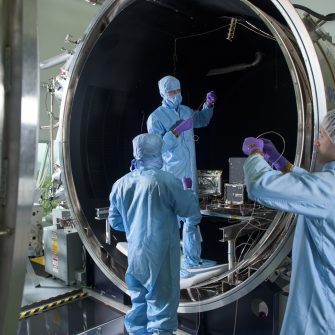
39	285
84	316
49	307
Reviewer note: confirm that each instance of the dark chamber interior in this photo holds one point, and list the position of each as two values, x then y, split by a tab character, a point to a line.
117	90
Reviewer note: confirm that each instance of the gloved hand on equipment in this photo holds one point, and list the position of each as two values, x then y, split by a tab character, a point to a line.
252	145
272	155
187	182
211	98
183	126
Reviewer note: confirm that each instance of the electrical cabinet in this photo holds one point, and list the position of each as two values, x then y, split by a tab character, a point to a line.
63	253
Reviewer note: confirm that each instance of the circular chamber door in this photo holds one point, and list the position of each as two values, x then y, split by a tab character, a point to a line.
261	62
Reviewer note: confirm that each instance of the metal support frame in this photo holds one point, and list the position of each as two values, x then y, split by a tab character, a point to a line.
19	105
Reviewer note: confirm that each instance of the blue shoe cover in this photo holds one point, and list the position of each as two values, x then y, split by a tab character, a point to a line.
185	274
203	264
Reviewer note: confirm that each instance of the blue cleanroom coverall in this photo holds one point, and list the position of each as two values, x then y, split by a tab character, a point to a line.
179	158
310	308
178	152
145	204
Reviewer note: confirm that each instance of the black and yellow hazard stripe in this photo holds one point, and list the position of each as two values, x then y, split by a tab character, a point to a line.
53	304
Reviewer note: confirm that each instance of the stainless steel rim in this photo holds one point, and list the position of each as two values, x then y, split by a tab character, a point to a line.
274	246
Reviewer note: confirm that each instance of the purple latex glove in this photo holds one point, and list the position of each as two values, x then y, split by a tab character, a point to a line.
251	144
183	126
272	155
187	182
211	98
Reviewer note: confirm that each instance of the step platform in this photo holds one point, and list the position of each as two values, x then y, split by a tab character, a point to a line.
198	275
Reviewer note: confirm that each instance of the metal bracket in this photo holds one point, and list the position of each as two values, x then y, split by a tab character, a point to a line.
231	31
69	39
5	232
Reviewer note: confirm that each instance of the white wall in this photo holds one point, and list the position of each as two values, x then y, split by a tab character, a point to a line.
56	19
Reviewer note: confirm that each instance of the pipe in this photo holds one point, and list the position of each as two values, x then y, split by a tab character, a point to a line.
235	68
55	60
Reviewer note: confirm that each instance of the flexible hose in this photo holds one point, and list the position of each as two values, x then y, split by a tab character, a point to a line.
328	17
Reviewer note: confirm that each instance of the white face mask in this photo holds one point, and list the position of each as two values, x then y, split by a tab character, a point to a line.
172	102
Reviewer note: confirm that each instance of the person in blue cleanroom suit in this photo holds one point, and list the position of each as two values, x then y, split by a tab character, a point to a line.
145	203
310	308
174	123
